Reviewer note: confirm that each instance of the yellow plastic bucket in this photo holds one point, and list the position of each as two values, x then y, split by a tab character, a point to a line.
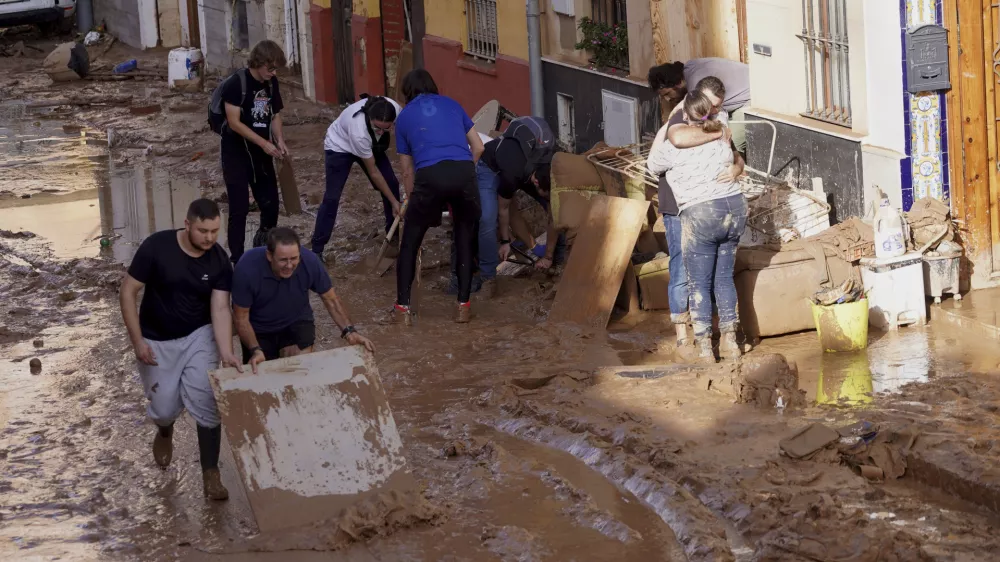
842	327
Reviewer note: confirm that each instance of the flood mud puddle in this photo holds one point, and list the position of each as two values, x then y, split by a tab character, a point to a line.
912	354
45	155
109	221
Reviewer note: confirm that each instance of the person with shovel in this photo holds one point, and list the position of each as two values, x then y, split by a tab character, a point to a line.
360	135
181	330
438	148
271	300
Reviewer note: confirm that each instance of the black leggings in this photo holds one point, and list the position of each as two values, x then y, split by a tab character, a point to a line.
453	183
243	168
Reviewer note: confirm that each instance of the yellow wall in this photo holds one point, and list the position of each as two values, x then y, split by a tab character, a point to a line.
367	8
512	29
446	19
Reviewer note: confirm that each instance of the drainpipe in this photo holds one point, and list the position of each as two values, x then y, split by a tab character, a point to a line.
535	59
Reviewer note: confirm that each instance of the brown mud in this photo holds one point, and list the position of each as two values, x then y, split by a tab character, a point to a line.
531	440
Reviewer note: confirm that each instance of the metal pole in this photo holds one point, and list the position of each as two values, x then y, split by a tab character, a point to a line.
535	59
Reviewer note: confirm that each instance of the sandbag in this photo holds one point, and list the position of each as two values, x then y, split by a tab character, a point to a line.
68	61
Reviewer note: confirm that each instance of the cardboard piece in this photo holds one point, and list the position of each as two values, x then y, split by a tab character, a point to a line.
311	435
289	188
596	267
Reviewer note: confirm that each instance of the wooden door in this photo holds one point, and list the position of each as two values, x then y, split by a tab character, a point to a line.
343	49
974	58
194	23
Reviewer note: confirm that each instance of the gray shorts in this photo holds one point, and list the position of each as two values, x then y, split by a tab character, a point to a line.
180	380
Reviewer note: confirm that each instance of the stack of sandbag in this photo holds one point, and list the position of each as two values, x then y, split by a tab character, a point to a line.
66	62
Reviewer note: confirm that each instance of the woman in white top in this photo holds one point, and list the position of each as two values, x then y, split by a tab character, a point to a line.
713	215
359	135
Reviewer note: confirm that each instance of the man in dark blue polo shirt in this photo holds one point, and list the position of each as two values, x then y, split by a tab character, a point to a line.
271	300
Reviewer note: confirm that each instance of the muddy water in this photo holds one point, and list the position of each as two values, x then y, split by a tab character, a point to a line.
44	154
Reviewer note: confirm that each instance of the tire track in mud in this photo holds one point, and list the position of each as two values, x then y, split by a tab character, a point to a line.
781	510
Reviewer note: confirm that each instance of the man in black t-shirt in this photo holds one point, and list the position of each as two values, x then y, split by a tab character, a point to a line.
182	329
252	137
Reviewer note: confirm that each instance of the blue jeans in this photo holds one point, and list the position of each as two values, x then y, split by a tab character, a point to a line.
677	291
338	168
489	246
710	232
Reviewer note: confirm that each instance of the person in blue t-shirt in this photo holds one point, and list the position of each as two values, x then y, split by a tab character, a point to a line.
271	300
438	148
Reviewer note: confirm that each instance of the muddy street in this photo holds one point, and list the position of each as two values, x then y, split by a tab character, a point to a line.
530	440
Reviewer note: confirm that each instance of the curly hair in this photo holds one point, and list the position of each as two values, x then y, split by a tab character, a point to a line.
267	53
668	75
698	109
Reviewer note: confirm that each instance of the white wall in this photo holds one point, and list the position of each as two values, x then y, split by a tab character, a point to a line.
778	83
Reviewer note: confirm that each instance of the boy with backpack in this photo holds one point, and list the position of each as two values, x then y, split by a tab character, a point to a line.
245	111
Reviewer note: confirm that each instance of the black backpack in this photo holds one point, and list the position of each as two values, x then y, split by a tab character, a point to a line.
541	146
217	107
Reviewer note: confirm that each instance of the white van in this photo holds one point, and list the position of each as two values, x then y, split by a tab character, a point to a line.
52	16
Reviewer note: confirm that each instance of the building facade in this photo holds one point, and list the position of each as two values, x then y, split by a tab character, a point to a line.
591	97
224	30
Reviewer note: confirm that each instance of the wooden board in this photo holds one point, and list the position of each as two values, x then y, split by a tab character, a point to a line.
289	188
403	67
311	435
596	267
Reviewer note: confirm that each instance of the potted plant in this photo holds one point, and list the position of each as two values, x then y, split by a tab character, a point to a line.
608	43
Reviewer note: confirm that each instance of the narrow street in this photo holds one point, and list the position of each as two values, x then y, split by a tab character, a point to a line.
528	442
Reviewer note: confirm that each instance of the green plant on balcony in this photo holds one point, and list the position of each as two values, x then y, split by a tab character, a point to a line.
607	43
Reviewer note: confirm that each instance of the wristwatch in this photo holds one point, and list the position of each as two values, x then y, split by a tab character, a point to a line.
255	349
502	242
348	330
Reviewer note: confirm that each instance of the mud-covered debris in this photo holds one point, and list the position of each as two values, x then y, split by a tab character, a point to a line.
767	380
38	343
810	439
67	296
18	235
533	381
35	365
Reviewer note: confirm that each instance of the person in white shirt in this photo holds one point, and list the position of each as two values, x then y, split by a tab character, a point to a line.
713	216
359	135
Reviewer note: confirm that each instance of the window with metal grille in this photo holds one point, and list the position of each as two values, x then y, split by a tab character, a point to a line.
481	16
610	12
827	61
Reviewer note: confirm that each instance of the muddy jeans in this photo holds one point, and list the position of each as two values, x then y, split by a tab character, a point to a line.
677	290
710	232
180	379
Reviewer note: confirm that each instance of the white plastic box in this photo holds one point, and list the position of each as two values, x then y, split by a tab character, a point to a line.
895	290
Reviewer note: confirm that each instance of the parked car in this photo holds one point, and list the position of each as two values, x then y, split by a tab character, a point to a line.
52	16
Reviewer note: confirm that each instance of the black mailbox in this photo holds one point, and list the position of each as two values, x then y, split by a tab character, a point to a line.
927	59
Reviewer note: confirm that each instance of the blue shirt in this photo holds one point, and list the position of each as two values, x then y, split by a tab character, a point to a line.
274	303
432	129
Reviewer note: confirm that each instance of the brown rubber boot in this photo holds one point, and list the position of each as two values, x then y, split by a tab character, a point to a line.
163	449
705	352
684	335
729	350
464	312
214	490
